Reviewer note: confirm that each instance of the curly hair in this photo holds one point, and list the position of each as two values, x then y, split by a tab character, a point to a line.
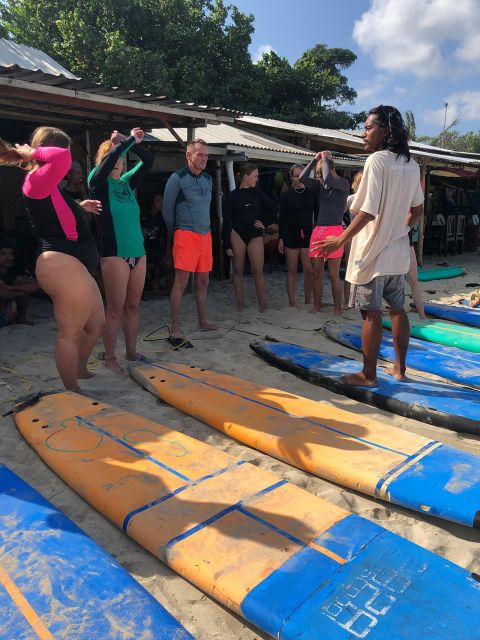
390	118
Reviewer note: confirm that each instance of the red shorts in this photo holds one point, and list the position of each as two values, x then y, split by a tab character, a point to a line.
192	251
321	233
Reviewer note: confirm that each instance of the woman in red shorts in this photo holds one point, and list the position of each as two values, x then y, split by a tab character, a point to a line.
332	192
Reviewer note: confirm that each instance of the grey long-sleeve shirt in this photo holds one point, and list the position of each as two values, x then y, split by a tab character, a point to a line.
332	194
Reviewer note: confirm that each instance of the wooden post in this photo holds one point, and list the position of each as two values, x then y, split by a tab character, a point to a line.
425	178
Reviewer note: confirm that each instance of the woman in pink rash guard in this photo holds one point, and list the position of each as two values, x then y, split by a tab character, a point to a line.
67	255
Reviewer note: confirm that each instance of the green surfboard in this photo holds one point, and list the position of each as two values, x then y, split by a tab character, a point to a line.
440	273
450	334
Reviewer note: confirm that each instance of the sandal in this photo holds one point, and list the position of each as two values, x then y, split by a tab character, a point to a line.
179	343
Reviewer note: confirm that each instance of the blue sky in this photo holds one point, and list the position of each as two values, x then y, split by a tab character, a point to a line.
414	54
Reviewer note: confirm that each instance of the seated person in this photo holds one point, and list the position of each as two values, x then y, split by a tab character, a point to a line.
155	234
15	287
74	185
475	299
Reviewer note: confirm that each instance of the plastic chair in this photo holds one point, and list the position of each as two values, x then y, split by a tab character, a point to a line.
460	234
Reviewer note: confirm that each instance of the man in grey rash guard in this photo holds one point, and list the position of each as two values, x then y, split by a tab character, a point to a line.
186	211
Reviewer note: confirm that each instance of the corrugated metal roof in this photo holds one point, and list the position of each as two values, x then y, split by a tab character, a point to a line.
300	128
224	134
418	149
234	139
17	63
25	57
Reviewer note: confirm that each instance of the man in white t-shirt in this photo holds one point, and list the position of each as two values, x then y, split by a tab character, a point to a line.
380	253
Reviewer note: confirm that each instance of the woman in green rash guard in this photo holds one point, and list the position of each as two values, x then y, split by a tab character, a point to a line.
122	253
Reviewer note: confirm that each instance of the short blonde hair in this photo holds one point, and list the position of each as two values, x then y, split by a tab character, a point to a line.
356	181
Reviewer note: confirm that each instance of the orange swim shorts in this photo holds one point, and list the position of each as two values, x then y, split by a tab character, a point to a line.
321	233
192	251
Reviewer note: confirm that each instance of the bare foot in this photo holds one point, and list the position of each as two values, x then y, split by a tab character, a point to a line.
85	375
262	308
397	375
112	364
206	326
337	312
240	307
292	304
358	379
316	310
133	356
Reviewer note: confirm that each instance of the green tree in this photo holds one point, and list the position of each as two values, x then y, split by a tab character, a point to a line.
311	90
186	49
410	124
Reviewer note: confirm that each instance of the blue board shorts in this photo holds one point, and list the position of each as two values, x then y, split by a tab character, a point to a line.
368	297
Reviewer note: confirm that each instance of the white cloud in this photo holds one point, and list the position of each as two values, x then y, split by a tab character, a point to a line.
464	105
416	36
263	48
401	91
372	90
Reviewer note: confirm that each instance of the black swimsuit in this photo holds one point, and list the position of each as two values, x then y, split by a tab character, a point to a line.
298	210
51	237
241	208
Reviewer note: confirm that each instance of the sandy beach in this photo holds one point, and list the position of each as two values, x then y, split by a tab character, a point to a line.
26	365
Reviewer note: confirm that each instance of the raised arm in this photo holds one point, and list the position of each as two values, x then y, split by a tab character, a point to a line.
304	176
101	172
333	181
140	170
42	181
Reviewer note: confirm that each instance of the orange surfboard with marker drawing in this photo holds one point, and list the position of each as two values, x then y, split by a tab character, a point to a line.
288	561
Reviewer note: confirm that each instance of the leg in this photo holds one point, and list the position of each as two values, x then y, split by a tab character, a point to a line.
115	275
74	295
334	272
412	277
318	267
201	289
291	258
131	308
179	285
307	275
346	285
256	255
371	339
22	308
238	263
401	336
90	333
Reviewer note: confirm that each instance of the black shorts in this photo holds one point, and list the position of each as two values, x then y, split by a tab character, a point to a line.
297	238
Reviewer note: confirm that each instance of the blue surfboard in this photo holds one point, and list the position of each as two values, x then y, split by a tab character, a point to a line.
450	363
436	403
456	313
57	583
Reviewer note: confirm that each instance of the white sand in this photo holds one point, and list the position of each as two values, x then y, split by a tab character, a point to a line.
27	351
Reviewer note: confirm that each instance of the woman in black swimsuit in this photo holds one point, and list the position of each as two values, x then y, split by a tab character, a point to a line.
298	210
246	213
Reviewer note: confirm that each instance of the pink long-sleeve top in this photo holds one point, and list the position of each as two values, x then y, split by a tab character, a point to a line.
47	207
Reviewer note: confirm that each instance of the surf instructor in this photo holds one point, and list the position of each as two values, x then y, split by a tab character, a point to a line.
380	252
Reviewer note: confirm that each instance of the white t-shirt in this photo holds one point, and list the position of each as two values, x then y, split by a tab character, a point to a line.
390	186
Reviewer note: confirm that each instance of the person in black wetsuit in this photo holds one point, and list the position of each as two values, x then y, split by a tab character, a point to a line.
246	213
67	256
298	210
